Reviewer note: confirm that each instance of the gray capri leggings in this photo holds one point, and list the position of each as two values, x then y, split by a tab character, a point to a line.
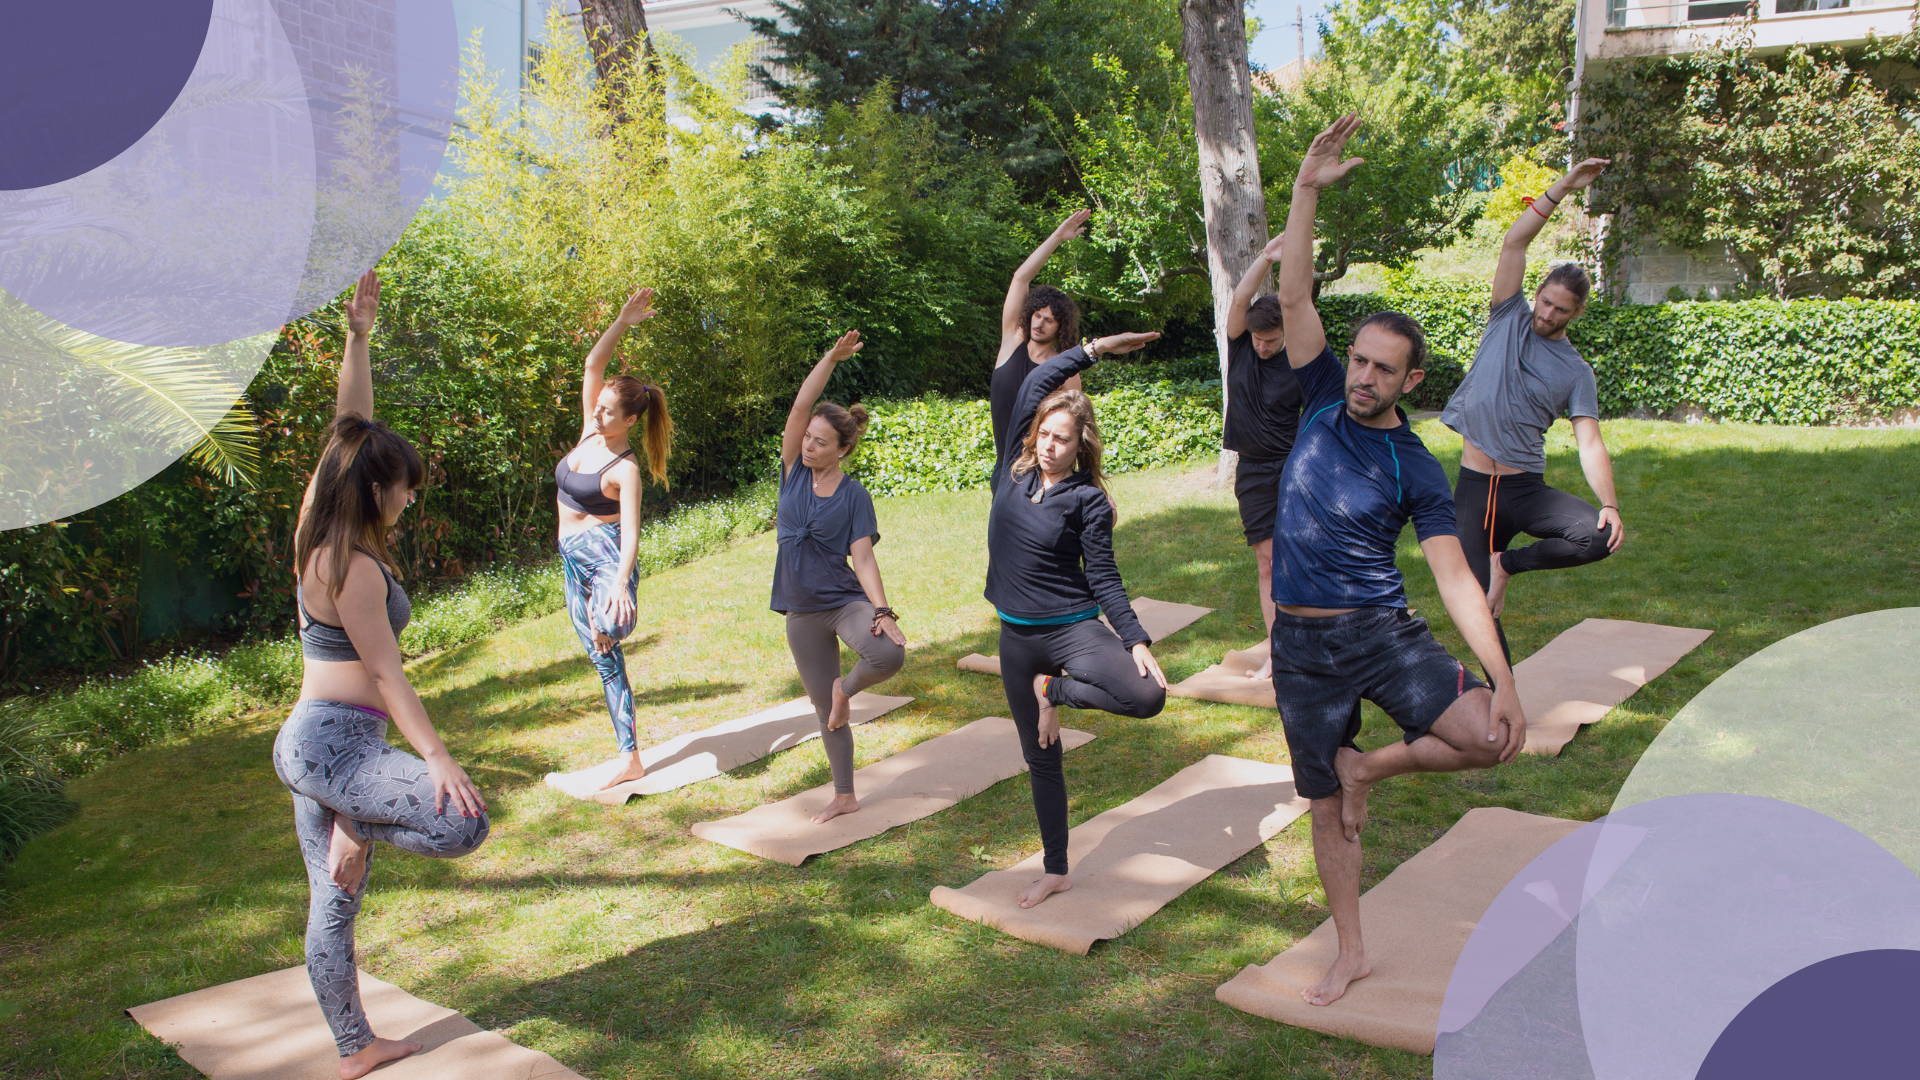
815	637
334	757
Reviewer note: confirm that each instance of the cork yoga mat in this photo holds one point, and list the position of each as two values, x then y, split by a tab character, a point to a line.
1132	860
705	754
1161	619
1590	668
1416	922
1227	681
915	783
270	1027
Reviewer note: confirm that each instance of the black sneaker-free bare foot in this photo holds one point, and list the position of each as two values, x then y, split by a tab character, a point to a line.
840	713
1497	580
841	804
347	854
1049	718
623	769
1045	887
1346	969
1353	791
376	1054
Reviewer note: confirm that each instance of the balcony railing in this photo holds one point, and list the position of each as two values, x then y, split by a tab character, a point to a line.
1638	14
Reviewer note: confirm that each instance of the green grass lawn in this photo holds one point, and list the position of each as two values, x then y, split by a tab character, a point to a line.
619	943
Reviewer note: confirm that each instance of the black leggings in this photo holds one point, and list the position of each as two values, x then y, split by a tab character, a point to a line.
1102	675
1490	511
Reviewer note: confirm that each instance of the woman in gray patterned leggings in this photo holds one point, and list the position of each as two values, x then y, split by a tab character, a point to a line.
349	786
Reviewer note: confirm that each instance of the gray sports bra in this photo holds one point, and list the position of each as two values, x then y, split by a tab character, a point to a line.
324	641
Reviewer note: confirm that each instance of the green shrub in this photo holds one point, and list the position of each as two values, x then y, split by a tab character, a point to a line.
31	799
483	603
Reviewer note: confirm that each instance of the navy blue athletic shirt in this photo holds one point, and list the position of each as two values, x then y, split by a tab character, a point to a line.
1345	494
1050	553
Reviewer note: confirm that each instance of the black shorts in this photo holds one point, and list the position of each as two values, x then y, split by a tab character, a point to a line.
1257	485
1322	668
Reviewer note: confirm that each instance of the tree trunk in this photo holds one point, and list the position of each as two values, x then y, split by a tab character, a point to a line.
613	27
1214	39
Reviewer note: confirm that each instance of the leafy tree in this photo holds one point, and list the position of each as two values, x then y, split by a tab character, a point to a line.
1802	165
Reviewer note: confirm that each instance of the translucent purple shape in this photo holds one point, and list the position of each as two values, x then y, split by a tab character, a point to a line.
1627	947
81	82
1852	1015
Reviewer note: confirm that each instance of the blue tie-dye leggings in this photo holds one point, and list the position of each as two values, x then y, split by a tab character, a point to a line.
592	560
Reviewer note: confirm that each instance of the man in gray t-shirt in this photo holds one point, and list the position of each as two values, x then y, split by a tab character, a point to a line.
1525	376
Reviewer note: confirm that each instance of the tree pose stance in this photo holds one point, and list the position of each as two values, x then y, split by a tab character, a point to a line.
1050	573
1263	416
1357	474
1035	323
349	786
826	521
1525	375
599	482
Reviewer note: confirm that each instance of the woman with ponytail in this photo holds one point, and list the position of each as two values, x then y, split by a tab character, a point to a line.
825	523
350	787
599	483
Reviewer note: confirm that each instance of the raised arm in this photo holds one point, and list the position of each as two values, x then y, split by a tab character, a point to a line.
637	309
1010	328
811	388
1511	272
1249	286
356	369
1320	168
1054	374
1466	604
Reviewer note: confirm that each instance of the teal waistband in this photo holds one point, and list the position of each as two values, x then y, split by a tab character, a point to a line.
1058	620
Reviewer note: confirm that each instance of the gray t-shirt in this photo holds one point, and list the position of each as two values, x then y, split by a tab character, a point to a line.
816	535
1520	383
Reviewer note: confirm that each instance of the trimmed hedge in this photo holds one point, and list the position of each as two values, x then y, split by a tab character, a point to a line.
1763	361
940	444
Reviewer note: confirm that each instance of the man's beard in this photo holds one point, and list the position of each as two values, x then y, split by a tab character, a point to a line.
1380	406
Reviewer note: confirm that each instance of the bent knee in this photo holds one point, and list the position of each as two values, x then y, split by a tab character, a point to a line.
1146	702
468	838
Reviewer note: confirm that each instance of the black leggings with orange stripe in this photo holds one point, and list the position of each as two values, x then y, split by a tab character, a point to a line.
1490	511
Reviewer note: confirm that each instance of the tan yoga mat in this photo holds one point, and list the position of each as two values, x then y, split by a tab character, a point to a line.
915	783
1132	860
705	754
1161	619
270	1027
1416	922
1590	668
1227	680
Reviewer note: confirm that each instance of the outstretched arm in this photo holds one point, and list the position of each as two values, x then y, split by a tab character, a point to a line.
1010	327
1320	168
637	309
356	369
1249	286
811	388
1512	269
1466	604
1598	465
1058	371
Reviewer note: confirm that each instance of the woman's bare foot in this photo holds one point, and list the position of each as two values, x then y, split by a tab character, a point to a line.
1049	719
602	643
841	804
347	854
376	1054
1045	887
1345	969
624	769
841	711
1497	580
1353	791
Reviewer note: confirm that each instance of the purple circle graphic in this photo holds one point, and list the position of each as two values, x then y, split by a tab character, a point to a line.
1628	947
1850	1016
80	83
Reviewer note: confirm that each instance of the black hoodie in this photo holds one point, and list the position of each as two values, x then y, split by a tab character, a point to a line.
1051	554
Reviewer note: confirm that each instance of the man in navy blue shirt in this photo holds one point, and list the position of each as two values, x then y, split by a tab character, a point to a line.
1356	476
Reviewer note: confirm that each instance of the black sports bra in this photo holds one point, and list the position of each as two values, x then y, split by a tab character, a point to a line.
581	491
325	641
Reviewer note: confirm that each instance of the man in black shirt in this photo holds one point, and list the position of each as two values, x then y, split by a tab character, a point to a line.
1035	323
1263	415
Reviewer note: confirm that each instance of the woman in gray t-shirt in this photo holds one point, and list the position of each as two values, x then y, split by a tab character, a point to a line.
825	579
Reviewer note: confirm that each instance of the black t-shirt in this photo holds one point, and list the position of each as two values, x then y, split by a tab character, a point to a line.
1263	402
1004	388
